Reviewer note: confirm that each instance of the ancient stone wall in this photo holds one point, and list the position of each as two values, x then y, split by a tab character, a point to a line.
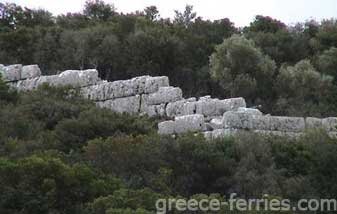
155	97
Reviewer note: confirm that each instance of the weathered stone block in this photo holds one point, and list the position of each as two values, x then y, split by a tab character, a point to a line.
259	122
313	123
122	105
216	123
251	111
152	84
236	120
287	124
330	124
163	95
166	127
11	73
232	104
30	71
187	123
153	110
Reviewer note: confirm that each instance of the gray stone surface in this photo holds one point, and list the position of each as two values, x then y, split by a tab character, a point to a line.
11	73
122	105
251	111
216	123
180	108
287	124
163	95
194	123
73	78
237	120
313	123
153	110
166	127
330	124
124	88
30	71
259	122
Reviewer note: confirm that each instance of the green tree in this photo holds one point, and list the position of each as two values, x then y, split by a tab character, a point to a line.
327	63
186	17
151	13
302	90
99	10
242	70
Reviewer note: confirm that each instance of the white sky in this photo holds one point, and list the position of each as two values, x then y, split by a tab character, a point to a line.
241	12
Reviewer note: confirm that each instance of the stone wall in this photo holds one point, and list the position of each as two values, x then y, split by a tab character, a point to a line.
155	97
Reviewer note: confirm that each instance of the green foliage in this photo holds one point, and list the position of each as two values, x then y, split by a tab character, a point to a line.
242	69
6	94
301	85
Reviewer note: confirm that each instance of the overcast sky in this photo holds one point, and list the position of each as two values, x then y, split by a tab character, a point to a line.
241	12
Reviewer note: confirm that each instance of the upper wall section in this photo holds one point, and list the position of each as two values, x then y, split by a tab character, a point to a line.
155	97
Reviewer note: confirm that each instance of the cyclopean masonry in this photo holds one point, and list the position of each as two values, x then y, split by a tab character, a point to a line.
153	96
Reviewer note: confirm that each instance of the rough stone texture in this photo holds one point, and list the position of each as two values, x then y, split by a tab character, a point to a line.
30	71
153	96
259	122
233	104
124	88
166	127
180	108
182	124
287	124
313	123
330	124
73	78
216	123
163	95
251	111
122	105
153	110
187	123
237	120
11	73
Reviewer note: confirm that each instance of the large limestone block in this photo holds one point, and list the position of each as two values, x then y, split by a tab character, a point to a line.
287	124
122	105
232	104
259	122
313	123
236	120
208	107
214	107
166	127
251	111
30	71
72	78
76	79
152	84
216	123
163	95
124	88
330	124
154	110
11	73
194	123
181	107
